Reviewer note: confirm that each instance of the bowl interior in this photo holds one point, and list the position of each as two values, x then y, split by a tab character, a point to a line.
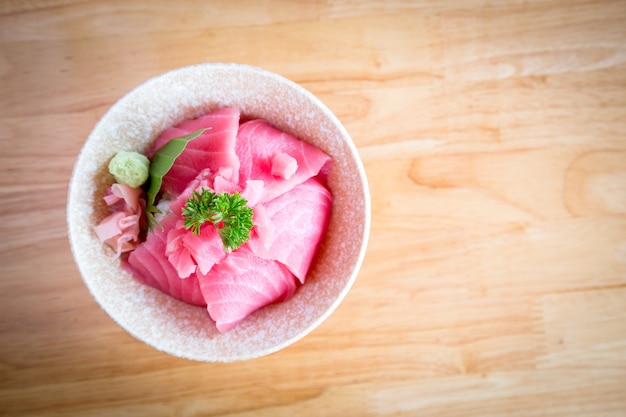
132	124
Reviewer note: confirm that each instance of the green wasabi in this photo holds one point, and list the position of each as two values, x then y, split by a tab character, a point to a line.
131	168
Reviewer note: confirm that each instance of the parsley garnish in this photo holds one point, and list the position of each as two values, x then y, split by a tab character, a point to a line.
227	212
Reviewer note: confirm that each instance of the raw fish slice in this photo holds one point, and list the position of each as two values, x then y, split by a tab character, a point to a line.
221	184
214	149
203	180
143	262
217	120
263	229
207	248
253	192
284	165
139	271
164	137
189	253
178	255
149	264
241	284
258	143
299	218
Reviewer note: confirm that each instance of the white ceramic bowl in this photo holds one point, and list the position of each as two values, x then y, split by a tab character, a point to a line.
132	124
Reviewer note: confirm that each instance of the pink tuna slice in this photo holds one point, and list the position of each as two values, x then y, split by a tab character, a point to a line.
253	192
149	265
178	255
258	143
284	165
190	253
203	180
299	219
263	229
241	284
224	185
214	149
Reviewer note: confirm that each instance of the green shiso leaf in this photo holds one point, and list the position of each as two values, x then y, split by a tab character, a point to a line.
160	165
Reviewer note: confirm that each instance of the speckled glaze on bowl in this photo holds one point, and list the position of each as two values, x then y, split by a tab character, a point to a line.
132	124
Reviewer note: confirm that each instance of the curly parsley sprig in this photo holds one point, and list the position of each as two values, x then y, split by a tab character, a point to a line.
227	212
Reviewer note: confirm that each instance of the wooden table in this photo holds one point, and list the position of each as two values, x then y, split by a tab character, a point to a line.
494	137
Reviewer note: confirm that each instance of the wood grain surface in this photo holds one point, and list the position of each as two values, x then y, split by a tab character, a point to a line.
494	137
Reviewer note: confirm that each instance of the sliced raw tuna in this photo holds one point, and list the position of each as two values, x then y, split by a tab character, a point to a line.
214	149
203	180
283	180
253	192
298	221
241	284
190	253
178	255
284	165
221	185
263	229
259	143
149	264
